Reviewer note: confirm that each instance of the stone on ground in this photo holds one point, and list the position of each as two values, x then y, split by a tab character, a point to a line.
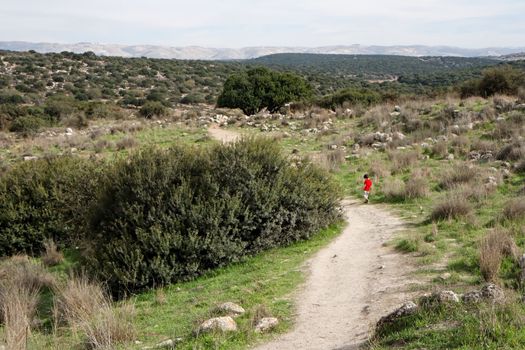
266	324
222	324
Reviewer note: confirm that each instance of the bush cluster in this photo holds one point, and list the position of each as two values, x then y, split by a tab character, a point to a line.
44	199
165	216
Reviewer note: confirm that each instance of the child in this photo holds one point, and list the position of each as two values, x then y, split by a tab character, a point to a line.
368	186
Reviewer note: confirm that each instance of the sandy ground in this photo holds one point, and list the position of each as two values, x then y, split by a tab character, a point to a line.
351	284
222	135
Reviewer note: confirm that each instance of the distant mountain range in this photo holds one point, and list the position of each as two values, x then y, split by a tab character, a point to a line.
203	53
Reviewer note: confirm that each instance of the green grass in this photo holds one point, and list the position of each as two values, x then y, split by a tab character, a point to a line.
267	281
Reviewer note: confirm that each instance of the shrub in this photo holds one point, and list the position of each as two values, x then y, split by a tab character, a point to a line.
44	199
394	190
126	142
169	215
417	187
27	125
453	207
460	174
193	99
513	151
260	88
403	160
351	96
152	109
514	209
440	149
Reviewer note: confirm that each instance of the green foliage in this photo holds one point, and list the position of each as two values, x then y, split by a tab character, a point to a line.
498	80
260	88
27	125
152	109
352	96
43	199
166	216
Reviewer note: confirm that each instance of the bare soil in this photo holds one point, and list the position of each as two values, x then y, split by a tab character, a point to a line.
352	283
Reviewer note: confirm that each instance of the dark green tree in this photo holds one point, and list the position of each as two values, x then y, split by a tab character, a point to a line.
260	88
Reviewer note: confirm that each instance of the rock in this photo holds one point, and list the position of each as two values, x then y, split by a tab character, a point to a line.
520	107
472	297
442	138
266	324
28	158
222	324
69	131
447	296
398	135
492	292
231	309
406	309
166	344
397	108
333	147
450	156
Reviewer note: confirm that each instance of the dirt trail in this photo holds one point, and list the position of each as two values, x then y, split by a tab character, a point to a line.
223	135
352	283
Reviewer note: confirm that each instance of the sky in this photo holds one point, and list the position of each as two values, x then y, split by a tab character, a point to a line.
244	23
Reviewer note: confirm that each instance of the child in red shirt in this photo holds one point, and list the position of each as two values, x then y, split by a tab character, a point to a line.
367	187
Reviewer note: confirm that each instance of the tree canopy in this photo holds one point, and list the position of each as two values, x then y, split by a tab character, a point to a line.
260	88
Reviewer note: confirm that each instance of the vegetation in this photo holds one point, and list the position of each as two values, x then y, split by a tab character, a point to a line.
260	88
166	216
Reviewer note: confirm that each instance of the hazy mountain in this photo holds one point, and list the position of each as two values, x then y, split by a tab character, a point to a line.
196	52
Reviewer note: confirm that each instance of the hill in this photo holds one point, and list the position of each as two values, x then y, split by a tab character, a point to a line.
205	53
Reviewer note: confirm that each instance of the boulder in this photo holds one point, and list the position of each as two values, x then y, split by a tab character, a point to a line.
492	292
447	296
406	309
221	324
230	308
265	324
472	297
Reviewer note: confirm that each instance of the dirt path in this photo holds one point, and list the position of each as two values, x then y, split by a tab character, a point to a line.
352	283
222	135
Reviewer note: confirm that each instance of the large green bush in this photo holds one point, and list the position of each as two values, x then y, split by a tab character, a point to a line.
44	199
260	88
171	215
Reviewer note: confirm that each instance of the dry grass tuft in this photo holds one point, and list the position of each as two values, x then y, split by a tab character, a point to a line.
20	283
514	209
403	160
51	256
440	149
330	160
258	314
417	187
494	246
452	207
126	142
379	169
460	174
87	309
394	190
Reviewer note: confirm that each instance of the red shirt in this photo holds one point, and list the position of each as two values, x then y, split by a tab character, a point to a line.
368	185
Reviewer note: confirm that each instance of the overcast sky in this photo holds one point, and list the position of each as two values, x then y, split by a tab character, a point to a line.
239	23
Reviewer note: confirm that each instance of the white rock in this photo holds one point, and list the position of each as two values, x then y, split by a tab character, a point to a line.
231	308
266	324
222	324
28	158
